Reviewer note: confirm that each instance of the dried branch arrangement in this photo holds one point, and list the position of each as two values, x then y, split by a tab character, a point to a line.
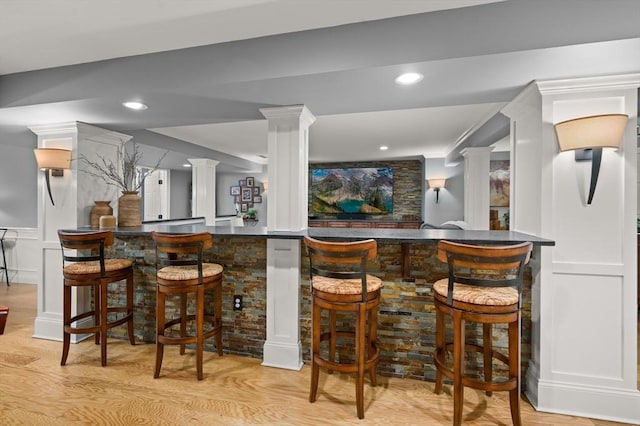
127	178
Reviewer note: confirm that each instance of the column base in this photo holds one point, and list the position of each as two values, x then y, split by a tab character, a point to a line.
619	405
282	355
51	329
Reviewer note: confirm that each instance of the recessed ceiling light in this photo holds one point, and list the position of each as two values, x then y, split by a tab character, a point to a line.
186	165
138	106
409	78
384	148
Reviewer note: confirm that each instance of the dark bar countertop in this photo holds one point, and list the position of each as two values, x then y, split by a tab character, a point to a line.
401	235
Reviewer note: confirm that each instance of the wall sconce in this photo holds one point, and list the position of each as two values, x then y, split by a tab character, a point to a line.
265	185
436	185
52	161
587	136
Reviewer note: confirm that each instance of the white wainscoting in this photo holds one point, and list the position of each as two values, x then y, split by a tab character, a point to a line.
21	259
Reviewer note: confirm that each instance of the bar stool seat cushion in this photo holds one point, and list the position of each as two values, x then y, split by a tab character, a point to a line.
93	267
342	286
477	295
190	272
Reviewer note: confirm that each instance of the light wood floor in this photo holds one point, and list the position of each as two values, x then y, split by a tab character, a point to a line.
36	390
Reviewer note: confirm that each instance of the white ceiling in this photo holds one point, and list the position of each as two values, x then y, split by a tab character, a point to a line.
474	59
39	34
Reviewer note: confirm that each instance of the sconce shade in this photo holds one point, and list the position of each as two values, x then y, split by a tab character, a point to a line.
265	185
436	183
598	131
592	134
53	158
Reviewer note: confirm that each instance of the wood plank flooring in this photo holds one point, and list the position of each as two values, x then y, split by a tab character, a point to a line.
36	390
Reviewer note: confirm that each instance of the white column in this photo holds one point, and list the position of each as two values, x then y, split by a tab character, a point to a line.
476	186
73	195
288	149
203	192
584	306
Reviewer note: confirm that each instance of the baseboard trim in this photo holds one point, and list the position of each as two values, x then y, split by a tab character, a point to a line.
619	405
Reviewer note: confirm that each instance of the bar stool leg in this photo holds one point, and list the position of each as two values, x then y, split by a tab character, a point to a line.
514	370
160	320
217	303
360	349
458	367
66	316
183	320
199	329
372	342
132	338
97	309
487	349
4	264
315	350
333	337
103	322
439	347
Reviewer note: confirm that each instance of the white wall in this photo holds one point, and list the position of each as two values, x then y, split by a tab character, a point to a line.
451	199
18	200
224	200
180	194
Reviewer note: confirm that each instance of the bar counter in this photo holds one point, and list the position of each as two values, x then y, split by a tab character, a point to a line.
406	263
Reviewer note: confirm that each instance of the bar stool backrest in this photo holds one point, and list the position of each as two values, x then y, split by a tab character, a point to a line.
181	249
342	260
89	245
488	266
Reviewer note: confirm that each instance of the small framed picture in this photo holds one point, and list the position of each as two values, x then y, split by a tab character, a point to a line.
250	204
247	195
257	199
244	207
250	181
236	198
256	190
242	183
235	190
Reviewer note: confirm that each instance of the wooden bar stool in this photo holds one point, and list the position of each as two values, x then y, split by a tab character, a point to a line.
89	267
484	286
3	245
182	271
340	283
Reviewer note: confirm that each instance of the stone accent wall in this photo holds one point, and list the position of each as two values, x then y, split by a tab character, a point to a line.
244	262
406	319
407	185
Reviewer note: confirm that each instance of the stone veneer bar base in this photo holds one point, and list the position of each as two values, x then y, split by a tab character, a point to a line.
406	321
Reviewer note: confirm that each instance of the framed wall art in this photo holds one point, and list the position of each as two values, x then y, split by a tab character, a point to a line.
247	195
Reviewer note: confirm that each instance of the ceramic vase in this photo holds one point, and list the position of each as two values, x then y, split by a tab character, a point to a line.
101	208
129	211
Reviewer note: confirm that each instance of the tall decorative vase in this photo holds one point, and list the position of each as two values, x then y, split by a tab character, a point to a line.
129	211
102	208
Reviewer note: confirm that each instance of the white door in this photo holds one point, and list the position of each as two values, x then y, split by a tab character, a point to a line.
156	195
